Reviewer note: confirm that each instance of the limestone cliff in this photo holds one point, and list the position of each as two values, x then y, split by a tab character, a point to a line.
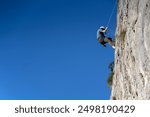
131	78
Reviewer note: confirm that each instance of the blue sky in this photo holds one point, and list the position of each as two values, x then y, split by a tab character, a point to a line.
49	50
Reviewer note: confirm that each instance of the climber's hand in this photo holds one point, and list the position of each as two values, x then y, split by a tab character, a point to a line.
106	29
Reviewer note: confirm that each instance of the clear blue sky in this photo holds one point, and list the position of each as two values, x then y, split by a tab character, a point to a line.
49	50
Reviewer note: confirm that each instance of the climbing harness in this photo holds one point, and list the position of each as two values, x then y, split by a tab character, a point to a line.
112	13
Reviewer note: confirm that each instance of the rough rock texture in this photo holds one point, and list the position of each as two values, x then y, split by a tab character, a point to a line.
132	55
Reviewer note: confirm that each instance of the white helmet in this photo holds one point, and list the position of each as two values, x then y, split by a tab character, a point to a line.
102	27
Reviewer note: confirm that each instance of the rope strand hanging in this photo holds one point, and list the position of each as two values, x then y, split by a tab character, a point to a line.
112	13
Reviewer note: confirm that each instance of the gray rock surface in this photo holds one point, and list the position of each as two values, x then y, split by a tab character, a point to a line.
132	55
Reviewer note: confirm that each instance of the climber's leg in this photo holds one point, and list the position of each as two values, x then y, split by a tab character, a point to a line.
109	40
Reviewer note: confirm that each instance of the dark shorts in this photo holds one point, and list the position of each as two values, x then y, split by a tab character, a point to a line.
104	40
101	40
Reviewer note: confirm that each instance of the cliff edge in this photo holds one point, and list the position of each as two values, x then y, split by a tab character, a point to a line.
131	78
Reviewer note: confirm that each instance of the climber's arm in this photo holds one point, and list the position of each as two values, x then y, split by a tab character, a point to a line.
105	30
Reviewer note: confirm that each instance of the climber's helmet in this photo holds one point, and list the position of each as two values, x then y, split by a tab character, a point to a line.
102	27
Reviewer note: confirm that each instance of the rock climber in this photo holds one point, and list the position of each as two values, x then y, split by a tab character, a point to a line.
102	39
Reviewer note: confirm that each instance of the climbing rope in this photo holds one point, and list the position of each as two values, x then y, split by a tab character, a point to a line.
112	13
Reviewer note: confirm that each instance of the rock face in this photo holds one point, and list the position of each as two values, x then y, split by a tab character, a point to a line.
131	78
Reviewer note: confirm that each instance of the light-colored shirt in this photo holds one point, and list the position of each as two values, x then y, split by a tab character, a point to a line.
100	35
